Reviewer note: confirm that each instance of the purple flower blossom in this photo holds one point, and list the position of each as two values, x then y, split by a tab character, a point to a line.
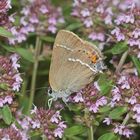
107	121
15	59
123	82
136	33
58	132
16	85
101	102
127	133
119	129
137	108
88	22
132	100
56	117
35	124
78	98
137	118
5	5
94	108
44	9
85	13
120	37
8	99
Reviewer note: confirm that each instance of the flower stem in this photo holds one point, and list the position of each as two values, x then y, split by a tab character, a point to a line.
127	117
35	67
122	61
91	133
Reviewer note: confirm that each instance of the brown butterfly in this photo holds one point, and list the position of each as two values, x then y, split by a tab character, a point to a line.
74	65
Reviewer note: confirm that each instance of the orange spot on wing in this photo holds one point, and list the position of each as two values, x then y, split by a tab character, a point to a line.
93	57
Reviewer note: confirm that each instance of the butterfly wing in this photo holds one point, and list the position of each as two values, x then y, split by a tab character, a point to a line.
70	67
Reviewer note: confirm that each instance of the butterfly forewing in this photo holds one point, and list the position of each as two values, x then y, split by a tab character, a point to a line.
70	66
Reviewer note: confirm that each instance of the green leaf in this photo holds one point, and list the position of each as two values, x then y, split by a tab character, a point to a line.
117	112
4	86
74	26
7	115
108	136
136	62
75	130
105	84
5	33
8	48
48	39
104	109
26	54
118	48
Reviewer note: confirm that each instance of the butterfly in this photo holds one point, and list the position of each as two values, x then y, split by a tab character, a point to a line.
74	64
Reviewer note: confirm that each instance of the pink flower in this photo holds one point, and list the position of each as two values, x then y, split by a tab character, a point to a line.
78	98
107	121
15	58
52	29
100	9
34	19
16	85
137	117
108	20
115	31
88	22
62	125
127	133
124	82
112	104
44	9
100	37
136	33
129	18
56	117
137	108
93	108
119	129
6	137
85	13
35	124
25	11
120	37
116	97
8	99
52	20
101	102
132	100
58	132
92	36
132	42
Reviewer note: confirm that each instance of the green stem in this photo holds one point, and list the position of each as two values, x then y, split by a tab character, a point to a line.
122	61
35	67
127	117
91	133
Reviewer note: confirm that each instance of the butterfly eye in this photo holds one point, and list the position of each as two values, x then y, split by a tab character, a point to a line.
49	91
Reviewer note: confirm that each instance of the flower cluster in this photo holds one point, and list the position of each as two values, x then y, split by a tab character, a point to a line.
10	80
127	27
125	94
47	122
36	16
90	98
5	5
12	133
110	20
